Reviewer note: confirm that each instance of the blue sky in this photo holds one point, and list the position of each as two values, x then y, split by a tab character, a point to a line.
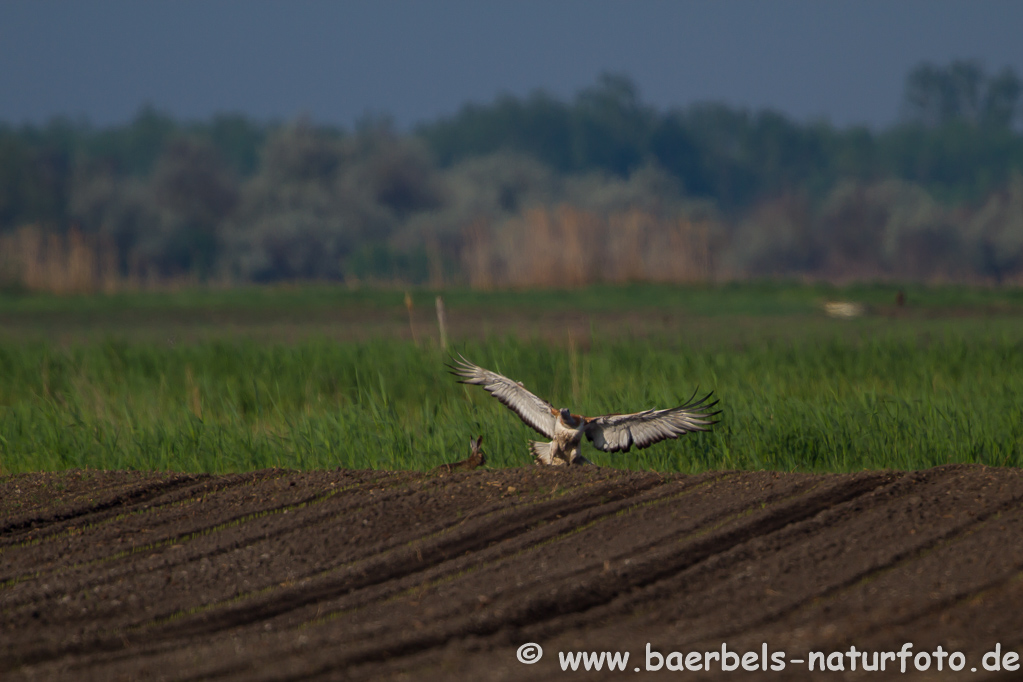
336	61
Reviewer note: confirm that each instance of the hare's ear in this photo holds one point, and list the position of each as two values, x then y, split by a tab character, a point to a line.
475	444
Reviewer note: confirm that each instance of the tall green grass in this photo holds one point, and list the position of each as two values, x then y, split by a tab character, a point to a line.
879	400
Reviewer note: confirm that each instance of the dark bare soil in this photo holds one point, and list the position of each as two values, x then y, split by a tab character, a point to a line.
370	575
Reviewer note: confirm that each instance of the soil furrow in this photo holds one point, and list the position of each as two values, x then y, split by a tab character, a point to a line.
11	530
586	592
443	576
272	528
384	567
287	599
134	537
352	639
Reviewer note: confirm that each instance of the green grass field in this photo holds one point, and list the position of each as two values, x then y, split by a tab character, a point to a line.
798	391
762	298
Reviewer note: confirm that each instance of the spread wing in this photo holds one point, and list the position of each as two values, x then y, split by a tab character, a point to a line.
621	431
535	412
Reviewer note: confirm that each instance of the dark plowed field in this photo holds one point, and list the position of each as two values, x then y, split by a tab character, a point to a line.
370	575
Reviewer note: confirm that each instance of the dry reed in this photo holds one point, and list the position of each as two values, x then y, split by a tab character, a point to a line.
72	263
568	247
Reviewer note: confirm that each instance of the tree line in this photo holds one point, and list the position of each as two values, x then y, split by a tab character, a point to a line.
939	194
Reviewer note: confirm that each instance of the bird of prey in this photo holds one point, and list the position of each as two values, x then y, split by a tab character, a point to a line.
610	433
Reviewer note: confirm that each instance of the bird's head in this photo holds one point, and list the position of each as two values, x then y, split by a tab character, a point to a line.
566	417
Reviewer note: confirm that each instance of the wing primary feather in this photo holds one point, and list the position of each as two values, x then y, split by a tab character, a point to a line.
535	412
613	433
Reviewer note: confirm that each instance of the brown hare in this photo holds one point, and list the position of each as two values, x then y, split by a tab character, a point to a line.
476	458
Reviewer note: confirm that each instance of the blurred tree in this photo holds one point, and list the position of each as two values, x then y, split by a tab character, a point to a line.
394	171
851	229
192	182
493	187
194	193
675	149
16	166
776	238
238	139
119	209
267	201
325	205
962	91
611	127
133	149
721	134
539	126
783	154
300	152
34	181
288	224
1001	102
997	232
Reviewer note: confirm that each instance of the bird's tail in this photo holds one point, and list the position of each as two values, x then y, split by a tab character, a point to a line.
541	452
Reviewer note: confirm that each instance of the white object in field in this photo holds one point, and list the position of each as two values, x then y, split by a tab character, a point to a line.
844	309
